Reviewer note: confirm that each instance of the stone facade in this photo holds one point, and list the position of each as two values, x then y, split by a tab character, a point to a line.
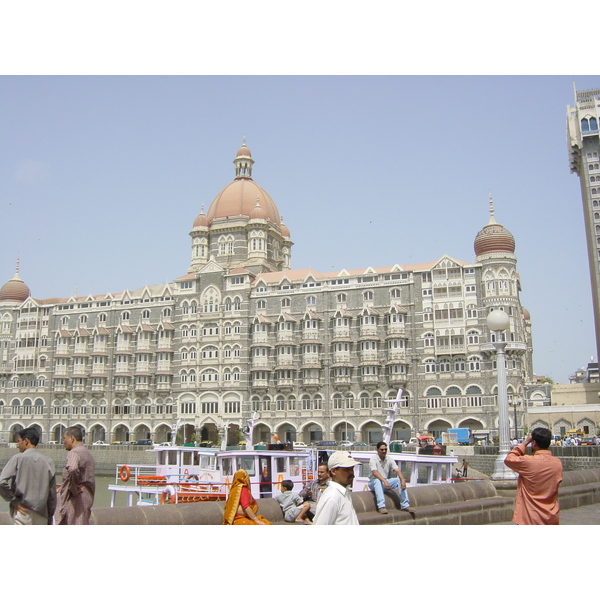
311	355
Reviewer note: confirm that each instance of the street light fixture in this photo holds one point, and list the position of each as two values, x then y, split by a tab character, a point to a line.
498	322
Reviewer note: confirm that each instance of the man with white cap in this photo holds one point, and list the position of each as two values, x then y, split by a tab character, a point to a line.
335	505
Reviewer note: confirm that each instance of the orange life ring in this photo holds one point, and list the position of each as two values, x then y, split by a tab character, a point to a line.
124	473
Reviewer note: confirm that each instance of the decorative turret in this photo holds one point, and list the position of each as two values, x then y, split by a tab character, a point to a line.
494	238
242	227
243	162
14	290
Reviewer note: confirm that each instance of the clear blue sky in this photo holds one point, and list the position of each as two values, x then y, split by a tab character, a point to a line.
102	177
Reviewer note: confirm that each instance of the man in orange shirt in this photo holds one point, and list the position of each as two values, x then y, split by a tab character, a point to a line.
539	477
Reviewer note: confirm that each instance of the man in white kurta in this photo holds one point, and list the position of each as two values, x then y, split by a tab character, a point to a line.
335	504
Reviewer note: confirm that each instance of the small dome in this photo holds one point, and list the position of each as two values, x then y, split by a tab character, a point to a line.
526	314
244	151
494	238
14	290
285	232
257	212
201	220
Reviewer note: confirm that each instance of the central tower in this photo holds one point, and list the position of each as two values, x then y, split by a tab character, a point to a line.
243	227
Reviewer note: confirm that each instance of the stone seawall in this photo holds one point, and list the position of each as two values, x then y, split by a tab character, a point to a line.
106	457
573	458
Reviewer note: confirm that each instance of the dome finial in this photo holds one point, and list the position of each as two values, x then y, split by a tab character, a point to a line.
492	218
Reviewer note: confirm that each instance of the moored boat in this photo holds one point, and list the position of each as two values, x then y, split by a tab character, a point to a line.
190	474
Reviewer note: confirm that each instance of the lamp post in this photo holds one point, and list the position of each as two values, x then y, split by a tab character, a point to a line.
498	322
515	403
349	398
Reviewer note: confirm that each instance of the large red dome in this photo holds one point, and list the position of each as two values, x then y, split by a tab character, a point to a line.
14	290
494	238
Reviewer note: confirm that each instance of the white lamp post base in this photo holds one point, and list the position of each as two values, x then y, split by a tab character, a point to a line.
501	471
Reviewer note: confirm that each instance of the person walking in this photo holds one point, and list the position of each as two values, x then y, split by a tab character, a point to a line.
76	493
540	475
28	482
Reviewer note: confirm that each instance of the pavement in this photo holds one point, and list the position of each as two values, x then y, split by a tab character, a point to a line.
584	515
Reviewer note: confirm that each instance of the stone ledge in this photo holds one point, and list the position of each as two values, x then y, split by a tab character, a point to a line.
464	503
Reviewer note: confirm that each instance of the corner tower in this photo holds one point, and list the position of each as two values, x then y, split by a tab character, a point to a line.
501	285
584	158
242	227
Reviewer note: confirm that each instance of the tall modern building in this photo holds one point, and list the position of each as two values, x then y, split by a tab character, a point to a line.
584	157
240	333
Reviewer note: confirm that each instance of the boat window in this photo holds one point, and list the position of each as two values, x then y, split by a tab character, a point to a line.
196	459
424	473
206	462
187	458
363	469
172	458
247	463
227	466
295	467
280	464
406	469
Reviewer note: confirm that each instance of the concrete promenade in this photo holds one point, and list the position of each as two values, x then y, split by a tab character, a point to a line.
584	515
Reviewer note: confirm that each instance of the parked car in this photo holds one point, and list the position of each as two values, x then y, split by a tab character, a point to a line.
360	445
299	445
326	443
142	443
588	441
100	443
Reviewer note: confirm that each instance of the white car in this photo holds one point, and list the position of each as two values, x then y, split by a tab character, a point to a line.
300	445
345	444
100	443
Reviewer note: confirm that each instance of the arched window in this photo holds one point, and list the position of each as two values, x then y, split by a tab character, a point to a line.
474	363
585	126
430	365
472	337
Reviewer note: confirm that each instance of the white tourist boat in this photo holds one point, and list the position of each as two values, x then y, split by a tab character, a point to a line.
184	474
190	474
187	474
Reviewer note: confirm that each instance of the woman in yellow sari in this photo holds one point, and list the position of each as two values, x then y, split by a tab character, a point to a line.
241	508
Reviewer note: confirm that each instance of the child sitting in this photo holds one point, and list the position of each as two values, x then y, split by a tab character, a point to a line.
292	505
